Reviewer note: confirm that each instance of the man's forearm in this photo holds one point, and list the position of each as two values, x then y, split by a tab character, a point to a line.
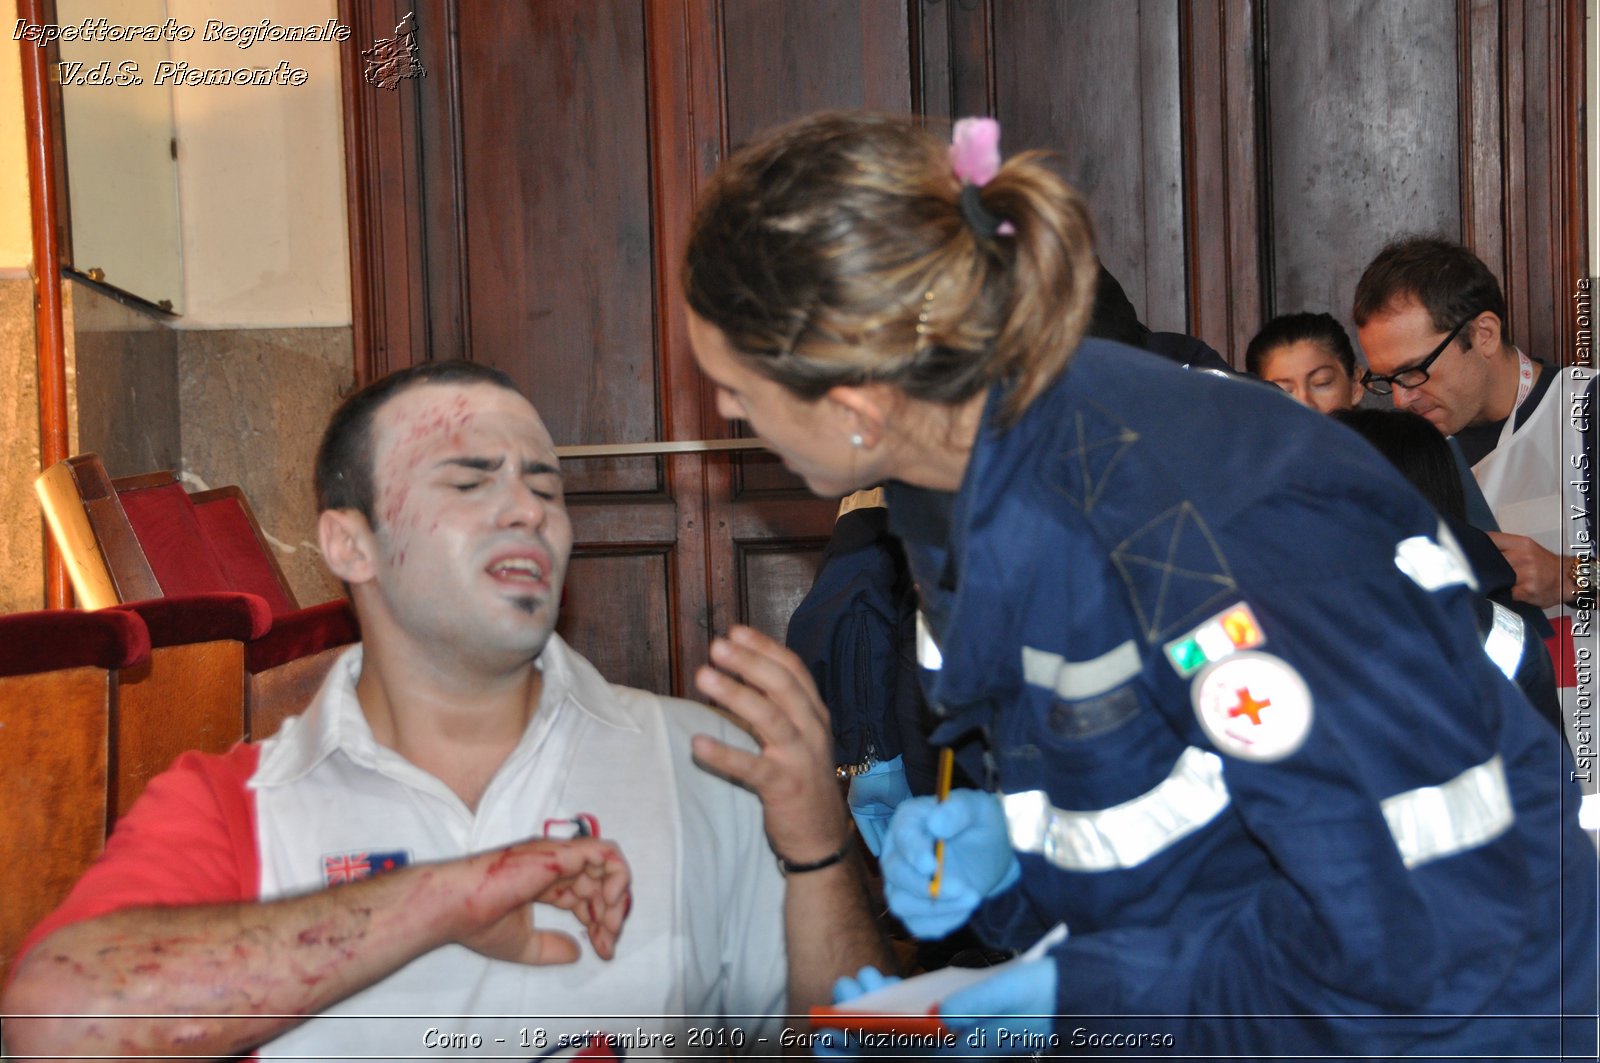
831	931
236	968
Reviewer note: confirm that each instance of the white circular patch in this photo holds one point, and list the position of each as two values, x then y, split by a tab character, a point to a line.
1253	706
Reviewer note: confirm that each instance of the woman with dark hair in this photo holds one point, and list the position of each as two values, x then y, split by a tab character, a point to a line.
1182	633
1416	448
1310	357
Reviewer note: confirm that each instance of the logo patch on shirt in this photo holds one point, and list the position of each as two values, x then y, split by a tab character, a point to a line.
583	825
353	867
1225	634
1253	706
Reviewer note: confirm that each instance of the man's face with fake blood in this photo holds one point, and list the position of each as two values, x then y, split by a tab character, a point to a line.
472	536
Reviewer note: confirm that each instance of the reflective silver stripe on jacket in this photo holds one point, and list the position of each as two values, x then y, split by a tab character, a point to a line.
1434	565
1504	642
1434	821
1075	680
1427	823
1589	812
1124	835
928	655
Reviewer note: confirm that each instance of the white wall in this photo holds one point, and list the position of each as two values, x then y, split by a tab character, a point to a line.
122	180
261	176
16	239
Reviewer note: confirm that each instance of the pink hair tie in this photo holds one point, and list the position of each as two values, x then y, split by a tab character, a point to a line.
975	157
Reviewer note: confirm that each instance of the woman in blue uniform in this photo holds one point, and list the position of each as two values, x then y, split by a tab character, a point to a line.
1214	662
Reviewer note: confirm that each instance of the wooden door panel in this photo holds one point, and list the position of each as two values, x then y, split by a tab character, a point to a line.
549	241
1097	80
1361	140
786	58
760	474
773	577
559	279
781	59
527	203
615	612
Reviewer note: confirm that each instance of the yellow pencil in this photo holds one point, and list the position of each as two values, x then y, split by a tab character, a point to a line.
947	767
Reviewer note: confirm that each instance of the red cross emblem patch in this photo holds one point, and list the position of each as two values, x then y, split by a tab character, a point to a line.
1253	705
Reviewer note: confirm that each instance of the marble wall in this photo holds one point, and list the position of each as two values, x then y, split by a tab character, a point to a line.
253	404
21	528
127	393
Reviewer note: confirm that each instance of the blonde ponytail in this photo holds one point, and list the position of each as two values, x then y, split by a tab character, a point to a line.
835	250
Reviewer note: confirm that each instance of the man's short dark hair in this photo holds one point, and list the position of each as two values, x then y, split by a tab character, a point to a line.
1449	281
345	459
1323	330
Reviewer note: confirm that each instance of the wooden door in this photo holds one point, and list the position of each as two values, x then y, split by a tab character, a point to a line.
526	204
1244	158
534	192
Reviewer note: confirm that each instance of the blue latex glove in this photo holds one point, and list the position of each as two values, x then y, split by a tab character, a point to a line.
836	1043
978	859
1009	1014
874	795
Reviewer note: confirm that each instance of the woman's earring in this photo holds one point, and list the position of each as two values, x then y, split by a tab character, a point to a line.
857	441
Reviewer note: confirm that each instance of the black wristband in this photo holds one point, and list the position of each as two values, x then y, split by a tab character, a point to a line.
789	867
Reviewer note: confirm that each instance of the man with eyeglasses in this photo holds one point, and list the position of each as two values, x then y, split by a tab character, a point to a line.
1431	319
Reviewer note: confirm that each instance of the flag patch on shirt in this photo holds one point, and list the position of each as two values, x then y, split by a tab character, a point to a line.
353	867
1225	634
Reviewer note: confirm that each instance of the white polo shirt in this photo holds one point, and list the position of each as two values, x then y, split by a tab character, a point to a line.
701	956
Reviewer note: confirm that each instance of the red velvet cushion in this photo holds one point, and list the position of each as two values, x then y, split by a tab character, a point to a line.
239	552
302	633
53	639
164	521
202	618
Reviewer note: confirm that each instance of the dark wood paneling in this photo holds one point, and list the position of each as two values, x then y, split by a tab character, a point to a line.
1572	339
382	151
528	202
931	90
559	287
953	58
616	614
1223	189
1363	139
1482	146
615	521
441	167
759	474
1546	215
772	521
972	79
786	58
773	579
686	144
1097	81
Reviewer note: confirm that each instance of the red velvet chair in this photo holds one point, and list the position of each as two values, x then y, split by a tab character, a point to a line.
58	696
144	537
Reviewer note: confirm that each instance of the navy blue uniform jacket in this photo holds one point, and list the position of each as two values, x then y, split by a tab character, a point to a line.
1411	870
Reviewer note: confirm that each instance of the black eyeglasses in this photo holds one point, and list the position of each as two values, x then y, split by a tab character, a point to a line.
1417	375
